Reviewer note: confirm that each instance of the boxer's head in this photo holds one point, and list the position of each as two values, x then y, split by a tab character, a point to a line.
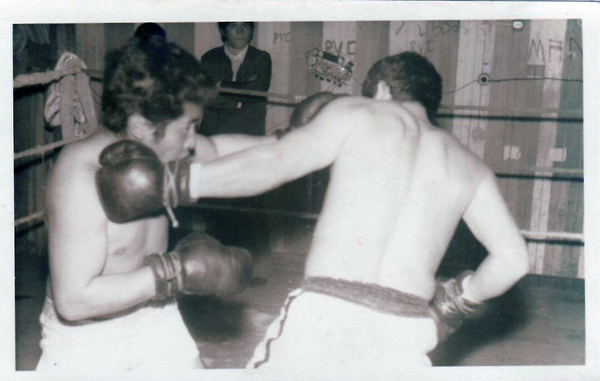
151	79
410	77
150	30
236	34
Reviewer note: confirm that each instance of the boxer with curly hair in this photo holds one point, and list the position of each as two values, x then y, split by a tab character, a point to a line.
110	301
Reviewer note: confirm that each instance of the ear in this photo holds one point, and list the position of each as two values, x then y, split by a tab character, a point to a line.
139	128
383	92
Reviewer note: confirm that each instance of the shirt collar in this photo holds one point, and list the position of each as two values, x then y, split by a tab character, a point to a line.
236	57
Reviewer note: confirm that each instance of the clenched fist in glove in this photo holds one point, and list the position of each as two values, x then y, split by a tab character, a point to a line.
201	265
449	308
133	183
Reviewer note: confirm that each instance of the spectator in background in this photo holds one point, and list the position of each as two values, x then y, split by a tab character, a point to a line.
237	65
149	29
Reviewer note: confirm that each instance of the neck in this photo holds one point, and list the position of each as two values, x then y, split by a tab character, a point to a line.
233	50
416	109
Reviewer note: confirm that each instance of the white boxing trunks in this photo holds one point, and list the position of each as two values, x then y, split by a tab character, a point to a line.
151	337
335	323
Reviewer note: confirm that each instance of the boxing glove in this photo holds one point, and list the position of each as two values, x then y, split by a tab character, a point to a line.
199	264
449	308
133	183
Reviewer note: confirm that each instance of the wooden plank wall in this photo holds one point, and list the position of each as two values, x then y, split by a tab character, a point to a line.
536	67
39	52
516	61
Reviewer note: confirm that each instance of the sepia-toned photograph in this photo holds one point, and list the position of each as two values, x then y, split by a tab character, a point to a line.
306	195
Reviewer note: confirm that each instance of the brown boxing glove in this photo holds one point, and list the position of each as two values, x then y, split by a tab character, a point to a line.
449	308
133	183
199	264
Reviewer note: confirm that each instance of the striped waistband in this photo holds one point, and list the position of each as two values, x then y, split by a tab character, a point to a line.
373	296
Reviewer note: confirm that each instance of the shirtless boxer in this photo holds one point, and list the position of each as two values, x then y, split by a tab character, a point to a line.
399	186
111	293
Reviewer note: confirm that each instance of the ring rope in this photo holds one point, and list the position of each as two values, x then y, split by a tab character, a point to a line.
32	217
40	150
527	234
51	76
283	98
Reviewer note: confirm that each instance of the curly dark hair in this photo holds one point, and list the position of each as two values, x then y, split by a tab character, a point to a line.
410	76
154	78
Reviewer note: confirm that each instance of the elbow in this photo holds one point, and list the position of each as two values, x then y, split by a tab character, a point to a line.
520	263
70	309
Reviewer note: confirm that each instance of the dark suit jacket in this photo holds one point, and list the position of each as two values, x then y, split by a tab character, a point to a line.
230	113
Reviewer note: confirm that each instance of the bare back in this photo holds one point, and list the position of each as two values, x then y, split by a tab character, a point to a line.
395	197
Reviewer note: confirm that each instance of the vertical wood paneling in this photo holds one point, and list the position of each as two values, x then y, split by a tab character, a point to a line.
275	38
339	38
461	51
406	36
305	36
206	37
372	43
546	34
90	47
117	35
475	47
444	56
569	137
182	34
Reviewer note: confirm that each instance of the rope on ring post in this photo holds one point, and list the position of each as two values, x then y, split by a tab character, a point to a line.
30	218
40	150
50	76
281	98
553	236
528	235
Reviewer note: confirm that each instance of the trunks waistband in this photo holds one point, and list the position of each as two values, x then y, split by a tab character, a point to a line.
373	296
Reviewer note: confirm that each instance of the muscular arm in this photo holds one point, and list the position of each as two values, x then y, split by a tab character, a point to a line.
265	167
304	150
78	247
491	222
221	145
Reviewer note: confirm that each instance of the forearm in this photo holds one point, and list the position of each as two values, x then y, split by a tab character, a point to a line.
496	275
243	174
109	294
228	144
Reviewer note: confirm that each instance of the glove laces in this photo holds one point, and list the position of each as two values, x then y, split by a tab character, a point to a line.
170	196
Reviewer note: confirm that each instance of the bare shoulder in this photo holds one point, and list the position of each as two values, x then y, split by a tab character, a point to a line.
467	165
77	164
360	111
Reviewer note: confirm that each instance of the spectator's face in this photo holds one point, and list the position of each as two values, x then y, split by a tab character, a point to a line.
238	35
180	136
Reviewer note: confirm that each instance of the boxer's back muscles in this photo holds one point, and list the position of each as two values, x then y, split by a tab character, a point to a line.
394	199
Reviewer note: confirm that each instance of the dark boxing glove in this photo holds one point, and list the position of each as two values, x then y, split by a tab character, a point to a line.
201	265
449	308
133	183
307	109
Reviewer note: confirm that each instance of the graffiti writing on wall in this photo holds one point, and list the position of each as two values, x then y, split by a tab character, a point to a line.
340	47
542	52
281	38
433	29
